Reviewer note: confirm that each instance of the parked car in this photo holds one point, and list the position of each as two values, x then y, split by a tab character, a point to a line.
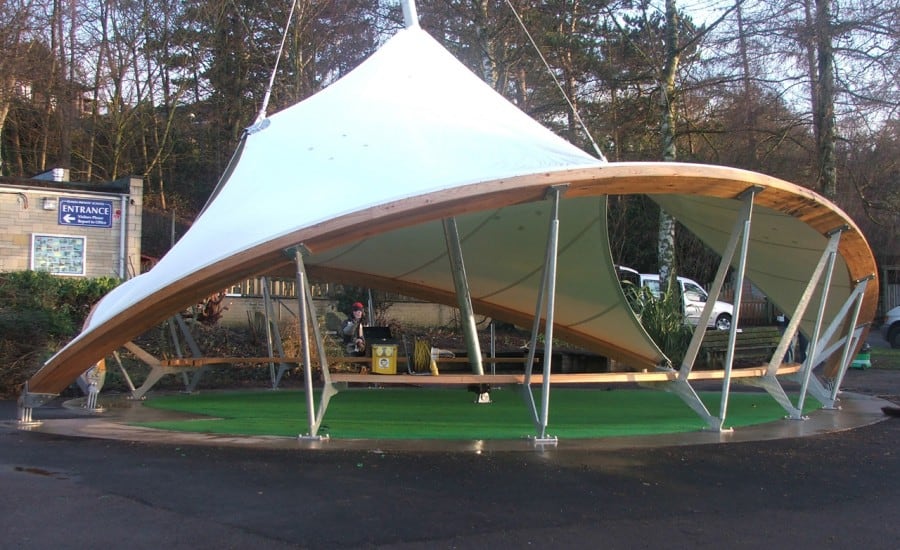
694	296
891	327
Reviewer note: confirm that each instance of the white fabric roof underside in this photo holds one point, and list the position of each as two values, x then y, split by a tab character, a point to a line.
783	252
504	252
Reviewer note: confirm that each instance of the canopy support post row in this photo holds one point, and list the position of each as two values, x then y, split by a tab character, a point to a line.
463	295
856	333
176	346
266	309
195	351
190	375
157	370
805	298
828	397
493	348
769	382
190	382
811	359
546	290
273	336
305	308
740	233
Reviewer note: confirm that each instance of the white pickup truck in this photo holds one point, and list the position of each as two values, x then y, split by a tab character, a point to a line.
694	296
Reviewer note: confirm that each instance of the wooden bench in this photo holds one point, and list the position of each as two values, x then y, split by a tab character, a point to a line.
752	344
500	379
204	361
402	365
336	360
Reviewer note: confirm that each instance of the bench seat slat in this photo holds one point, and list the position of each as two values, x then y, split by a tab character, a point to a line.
756	343
580	378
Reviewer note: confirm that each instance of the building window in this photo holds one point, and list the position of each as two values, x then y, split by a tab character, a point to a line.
58	254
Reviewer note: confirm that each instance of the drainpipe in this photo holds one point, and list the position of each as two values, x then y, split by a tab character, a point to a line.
123	231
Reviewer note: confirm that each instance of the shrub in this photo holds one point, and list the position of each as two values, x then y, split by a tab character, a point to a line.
39	312
663	319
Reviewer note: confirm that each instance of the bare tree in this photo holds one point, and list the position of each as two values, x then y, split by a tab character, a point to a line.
18	23
667	100
823	113
679	36
10	42
840	57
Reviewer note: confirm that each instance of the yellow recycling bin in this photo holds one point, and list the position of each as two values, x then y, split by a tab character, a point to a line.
384	358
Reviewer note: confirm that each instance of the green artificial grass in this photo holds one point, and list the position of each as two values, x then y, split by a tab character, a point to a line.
887	358
442	413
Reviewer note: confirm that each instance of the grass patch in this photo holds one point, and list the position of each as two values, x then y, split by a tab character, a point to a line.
885	358
435	413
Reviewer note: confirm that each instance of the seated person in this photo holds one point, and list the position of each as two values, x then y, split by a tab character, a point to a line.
352	331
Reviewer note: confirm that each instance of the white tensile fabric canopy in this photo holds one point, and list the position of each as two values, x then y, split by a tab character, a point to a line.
363	173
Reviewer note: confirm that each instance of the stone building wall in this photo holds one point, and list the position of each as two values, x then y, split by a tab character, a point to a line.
74	229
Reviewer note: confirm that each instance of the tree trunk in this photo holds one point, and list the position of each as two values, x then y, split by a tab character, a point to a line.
4	110
750	145
95	105
666	243
70	94
824	113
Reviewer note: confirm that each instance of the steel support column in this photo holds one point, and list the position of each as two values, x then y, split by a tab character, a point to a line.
264	281
849	345
690	355
546	295
740	233
195	351
273	337
303	298
769	381
749	195
28	401
124	372
846	343
811	359
463	296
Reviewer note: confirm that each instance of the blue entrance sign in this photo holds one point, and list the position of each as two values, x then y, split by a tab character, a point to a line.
85	212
